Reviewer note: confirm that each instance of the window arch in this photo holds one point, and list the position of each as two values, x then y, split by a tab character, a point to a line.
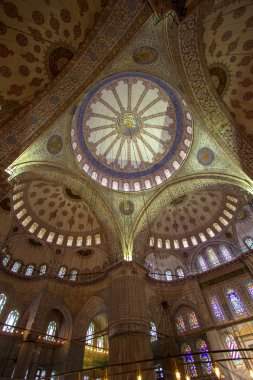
6	259
73	275
180	324
249	242
213	259
236	355
43	269
193	321
168	275
202	263
51	331
205	358
153	332
216	308
62	272
180	273
235	302
16	266
3	300
29	270
90	334
226	253
249	287
190	367
11	321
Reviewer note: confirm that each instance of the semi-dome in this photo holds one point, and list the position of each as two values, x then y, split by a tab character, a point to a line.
131	132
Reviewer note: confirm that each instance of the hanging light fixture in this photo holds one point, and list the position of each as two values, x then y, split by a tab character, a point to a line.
187	377
251	373
177	374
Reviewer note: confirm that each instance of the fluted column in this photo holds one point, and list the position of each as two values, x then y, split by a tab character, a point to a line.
129	326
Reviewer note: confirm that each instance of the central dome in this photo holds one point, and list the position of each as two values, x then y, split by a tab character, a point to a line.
131	132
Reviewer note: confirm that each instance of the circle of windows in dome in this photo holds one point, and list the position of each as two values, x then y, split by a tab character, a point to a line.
131	132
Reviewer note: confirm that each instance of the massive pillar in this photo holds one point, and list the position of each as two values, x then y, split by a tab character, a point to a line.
129	325
25	356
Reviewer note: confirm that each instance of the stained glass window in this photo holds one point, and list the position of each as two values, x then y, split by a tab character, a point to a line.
43	269
11	321
226	253
193	321
153	332
180	324
51	331
180	272
250	288
190	367
202	263
168	275
90	334
29	270
214	261
3	299
205	358
249	242
236	302
6	259
236	355
16	267
62	272
216	308
73	275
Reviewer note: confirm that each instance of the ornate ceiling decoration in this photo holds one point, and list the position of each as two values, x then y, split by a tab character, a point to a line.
131	132
193	219
228	50
38	39
55	214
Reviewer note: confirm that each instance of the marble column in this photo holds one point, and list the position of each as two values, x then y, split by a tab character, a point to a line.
129	325
25	355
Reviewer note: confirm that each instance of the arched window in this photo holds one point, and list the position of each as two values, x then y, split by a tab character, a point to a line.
62	272
214	261
153	332
236	355
15	267
43	269
73	275
226	253
168	275
90	334
11	321
3	300
249	242
51	331
180	324
6	259
193	321
249	287
190	367
202	263
205	358
180	273
216	308
236	302
29	270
